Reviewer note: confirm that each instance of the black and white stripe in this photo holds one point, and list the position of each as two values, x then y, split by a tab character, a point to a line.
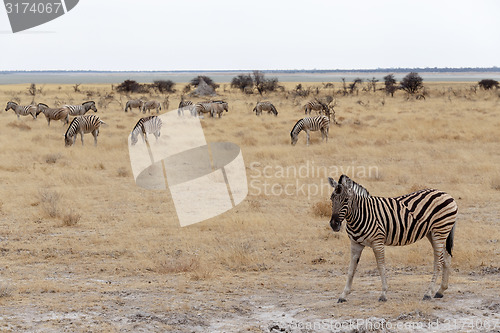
265	106
53	113
83	124
317	123
376	222
186	105
151	105
134	103
21	110
317	106
146	125
218	107
80	110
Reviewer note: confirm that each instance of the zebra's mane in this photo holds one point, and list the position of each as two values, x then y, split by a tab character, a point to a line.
88	102
12	102
358	189
295	126
43	104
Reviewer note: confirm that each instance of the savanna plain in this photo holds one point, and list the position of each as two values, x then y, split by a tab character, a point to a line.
84	249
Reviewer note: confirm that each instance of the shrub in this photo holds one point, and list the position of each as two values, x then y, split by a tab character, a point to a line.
242	81
164	86
488	84
412	83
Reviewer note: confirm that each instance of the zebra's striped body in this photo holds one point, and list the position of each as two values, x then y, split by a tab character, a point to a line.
203	107
80	110
21	110
317	106
265	106
151	105
186	105
134	103
376	222
218	107
146	125
317	123
83	124
61	114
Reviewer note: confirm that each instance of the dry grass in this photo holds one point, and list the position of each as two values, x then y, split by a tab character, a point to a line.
278	240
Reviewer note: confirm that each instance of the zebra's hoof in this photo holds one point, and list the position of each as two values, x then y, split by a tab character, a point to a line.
382	299
438	295
341	300
427	298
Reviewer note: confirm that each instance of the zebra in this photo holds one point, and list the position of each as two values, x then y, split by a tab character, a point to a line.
80	110
53	114
151	105
265	106
83	124
321	123
186	105
21	110
218	108
203	107
317	106
378	221
145	125
134	103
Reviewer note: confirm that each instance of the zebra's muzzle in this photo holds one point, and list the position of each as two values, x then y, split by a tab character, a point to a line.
335	222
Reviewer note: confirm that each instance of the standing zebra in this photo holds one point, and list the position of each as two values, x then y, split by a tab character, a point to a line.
265	106
186	105
145	125
218	108
21	110
377	221
203	107
134	103
151	105
321	123
80	110
53	114
83	124
317	106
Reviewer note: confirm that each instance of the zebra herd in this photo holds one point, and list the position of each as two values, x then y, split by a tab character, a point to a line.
81	124
143	105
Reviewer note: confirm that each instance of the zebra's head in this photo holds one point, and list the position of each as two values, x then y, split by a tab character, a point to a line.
341	200
10	105
90	105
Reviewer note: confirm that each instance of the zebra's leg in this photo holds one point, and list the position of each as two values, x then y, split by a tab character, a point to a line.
356	250
48	121
438	249
446	275
379	251
307	132
81	134
95	133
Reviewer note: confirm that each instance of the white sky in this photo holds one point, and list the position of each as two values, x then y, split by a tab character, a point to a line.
270	34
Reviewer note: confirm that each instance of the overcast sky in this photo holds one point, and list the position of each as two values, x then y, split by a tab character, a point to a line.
246	35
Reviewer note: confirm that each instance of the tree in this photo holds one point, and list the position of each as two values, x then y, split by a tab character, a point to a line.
412	83
390	84
164	86
242	81
128	86
373	84
262	84
488	84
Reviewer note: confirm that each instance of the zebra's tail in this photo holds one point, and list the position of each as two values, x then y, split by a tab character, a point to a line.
449	241
274	110
103	123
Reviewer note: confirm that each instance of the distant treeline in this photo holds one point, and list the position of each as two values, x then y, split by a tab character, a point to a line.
294	71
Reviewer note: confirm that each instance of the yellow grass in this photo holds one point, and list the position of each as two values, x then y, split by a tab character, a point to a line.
71	218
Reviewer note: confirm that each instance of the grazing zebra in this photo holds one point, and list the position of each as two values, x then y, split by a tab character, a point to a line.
321	123
186	105
377	221
134	103
203	107
146	125
317	106
80	110
265	106
53	114
21	110
151	105
83	124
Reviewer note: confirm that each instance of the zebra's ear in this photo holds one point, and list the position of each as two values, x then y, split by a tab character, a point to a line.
332	182
346	181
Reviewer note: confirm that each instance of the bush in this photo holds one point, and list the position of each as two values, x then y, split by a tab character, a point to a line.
242	82
412	83
164	86
128	86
